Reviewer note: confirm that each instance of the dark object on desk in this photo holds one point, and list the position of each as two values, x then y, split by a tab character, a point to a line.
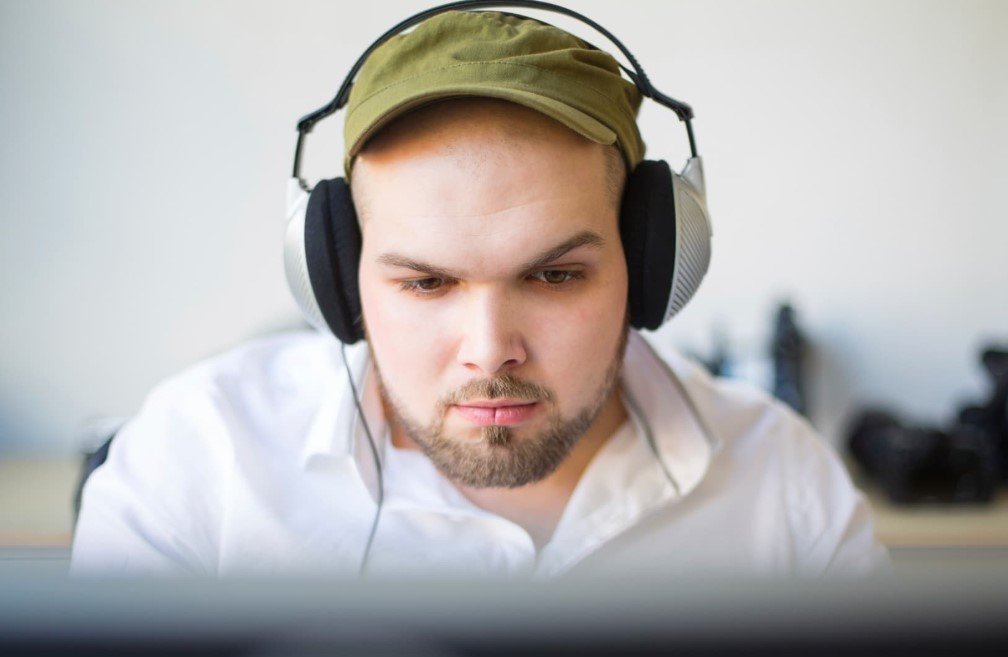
786	357
960	464
918	464
787	351
992	416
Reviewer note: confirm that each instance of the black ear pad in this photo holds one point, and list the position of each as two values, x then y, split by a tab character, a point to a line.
648	231
332	252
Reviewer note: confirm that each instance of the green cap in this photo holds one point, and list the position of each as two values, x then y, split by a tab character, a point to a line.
495	55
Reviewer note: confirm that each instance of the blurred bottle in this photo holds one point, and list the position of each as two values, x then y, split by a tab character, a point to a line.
787	351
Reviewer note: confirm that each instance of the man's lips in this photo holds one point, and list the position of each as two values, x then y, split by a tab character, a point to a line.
497	403
498	411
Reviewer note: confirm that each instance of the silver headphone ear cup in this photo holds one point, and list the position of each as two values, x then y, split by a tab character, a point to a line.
296	269
693	235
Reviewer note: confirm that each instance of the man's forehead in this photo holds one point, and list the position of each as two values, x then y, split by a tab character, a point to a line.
464	199
434	202
501	148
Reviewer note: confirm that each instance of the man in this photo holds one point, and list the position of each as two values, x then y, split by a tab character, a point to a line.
520	427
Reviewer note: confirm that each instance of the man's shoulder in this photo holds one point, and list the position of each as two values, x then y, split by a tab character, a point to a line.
274	364
745	418
263	389
159	500
770	453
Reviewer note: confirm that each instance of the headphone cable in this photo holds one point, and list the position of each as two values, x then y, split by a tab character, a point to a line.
377	462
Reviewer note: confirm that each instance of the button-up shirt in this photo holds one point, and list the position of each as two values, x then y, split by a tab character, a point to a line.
256	462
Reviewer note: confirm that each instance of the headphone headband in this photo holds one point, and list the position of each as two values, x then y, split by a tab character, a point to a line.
637	76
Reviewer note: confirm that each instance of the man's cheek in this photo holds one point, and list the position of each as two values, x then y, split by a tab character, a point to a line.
580	351
387	314
406	344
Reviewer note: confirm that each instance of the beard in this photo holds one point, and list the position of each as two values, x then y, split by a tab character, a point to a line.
497	459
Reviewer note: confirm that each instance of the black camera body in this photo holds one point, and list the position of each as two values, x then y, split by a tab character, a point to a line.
963	463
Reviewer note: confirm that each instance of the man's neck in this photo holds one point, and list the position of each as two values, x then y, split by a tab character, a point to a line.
537	507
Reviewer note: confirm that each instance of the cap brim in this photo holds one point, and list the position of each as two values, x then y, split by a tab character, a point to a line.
573	118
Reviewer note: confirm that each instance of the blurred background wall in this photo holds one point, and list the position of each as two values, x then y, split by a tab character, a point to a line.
855	154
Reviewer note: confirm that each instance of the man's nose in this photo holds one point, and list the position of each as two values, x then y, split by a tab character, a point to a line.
491	342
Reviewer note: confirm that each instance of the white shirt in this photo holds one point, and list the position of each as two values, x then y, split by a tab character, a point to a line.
255	462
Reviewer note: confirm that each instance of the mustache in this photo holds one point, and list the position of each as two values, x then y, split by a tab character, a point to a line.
501	386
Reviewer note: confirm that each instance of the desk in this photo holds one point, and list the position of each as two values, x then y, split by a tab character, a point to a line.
36	513
942	537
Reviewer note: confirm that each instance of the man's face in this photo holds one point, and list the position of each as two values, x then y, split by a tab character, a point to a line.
493	287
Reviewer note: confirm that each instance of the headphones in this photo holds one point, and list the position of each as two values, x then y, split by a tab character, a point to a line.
664	224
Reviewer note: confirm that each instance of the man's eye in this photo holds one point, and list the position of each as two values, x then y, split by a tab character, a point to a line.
557	276
422	285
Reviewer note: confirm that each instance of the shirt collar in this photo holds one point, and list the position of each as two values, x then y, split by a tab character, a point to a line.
336	425
665	415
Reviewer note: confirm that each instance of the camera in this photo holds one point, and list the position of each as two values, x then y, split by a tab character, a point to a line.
962	463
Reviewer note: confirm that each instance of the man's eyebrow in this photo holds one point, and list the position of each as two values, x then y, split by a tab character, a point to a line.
584	238
396	260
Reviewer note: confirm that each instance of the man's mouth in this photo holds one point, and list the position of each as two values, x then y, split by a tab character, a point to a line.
497	411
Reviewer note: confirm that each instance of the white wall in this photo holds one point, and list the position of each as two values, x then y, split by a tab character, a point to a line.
855	154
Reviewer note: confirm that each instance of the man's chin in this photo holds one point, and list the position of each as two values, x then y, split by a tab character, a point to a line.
488	437
496	456
462	431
